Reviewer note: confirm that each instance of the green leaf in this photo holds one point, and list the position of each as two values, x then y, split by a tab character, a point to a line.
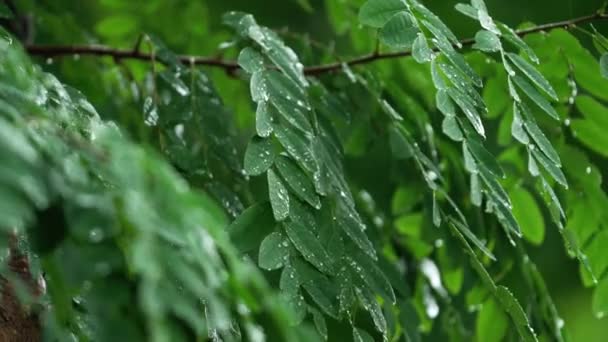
516	40
469	110
355	230
604	65
290	100
585	67
249	228
450	127
274	48
537	135
279	197
487	41
432	22
535	96
290	280
259	156
309	246
298	181
476	195
492	322
263	120
399	146
251	60
533	74
457	60
360	335
297	146
463	85
116	26
371	305
517	314
592	110
400	31
376	13
600	299
467	10
420	49
258	87
462	228
517	127
371	275
274	251
484	18
444	103
319	321
484	157
408	318
528	215
591	135
553	169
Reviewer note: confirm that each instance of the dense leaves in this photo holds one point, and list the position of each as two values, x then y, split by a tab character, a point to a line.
394	200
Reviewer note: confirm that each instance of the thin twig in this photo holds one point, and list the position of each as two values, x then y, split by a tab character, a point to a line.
232	66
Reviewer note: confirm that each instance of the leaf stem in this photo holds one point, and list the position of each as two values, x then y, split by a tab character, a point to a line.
232	66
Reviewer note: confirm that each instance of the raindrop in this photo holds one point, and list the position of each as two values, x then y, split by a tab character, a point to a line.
179	131
559	323
430	304
431	272
242	309
49	61
95	235
588	170
378	221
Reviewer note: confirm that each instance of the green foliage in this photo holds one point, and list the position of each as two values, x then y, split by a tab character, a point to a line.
283	202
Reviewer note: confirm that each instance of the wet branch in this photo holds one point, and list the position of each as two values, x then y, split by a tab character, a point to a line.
49	51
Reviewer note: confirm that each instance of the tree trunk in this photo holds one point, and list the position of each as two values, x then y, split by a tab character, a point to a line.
17	323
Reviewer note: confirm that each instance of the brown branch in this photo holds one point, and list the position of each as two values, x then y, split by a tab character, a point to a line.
232	66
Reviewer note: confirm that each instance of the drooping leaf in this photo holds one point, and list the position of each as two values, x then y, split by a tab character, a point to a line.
528	215
279	196
487	41
259	156
533	74
273	251
420	49
376	13
400	31
604	65
298	181
492	322
309	246
535	96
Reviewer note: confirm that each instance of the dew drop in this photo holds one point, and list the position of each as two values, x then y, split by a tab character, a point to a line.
95	235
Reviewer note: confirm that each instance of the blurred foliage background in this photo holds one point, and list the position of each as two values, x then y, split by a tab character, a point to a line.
194	27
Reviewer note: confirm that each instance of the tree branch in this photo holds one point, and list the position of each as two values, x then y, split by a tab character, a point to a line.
232	66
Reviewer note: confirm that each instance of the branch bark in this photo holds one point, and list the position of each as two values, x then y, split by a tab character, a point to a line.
232	66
